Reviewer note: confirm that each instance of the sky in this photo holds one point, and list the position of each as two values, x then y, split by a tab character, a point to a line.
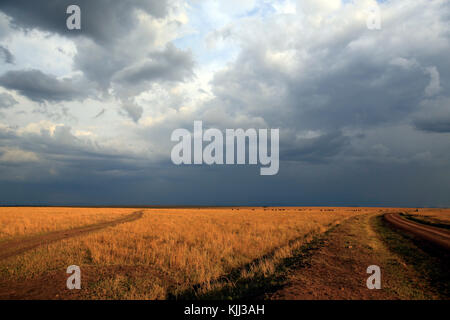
86	115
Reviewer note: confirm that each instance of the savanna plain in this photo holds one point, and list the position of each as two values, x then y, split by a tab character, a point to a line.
218	253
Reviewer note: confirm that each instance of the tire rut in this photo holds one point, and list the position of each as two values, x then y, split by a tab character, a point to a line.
437	236
15	247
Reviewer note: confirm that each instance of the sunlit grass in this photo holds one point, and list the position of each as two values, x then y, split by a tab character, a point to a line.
172	250
26	221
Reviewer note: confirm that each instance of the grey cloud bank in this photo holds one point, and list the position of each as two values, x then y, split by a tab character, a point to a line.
102	20
364	115
40	87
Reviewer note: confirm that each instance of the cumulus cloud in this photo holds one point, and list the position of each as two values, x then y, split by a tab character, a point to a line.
103	55
171	64
167	66
338	77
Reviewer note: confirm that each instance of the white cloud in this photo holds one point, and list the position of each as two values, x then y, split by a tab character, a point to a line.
40	50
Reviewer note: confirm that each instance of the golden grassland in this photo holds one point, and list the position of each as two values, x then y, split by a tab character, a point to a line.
26	221
168	251
441	215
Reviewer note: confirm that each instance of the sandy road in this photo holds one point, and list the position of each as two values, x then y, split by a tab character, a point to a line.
437	236
16	247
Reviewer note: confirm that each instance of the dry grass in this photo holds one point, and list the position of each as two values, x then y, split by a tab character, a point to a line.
433	214
26	221
169	251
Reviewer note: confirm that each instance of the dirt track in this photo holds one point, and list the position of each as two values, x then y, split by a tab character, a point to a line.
434	235
16	247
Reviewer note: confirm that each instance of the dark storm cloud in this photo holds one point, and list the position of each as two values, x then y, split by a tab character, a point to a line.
6	55
74	170
41	87
434	125
102	20
61	149
359	95
434	115
315	150
355	88
347	89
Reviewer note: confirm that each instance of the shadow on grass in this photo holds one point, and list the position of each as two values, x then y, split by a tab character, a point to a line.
430	261
233	286
427	221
